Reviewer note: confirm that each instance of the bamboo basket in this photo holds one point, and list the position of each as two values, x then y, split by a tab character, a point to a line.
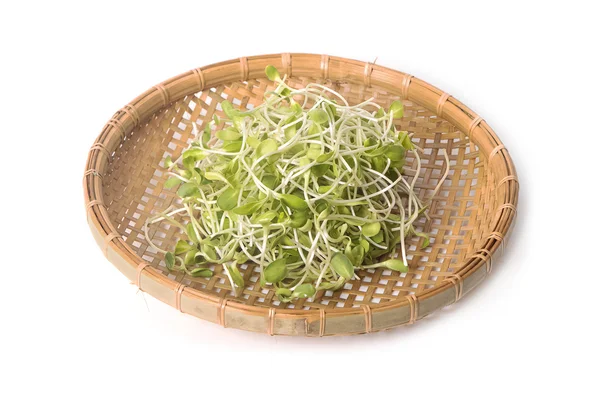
471	216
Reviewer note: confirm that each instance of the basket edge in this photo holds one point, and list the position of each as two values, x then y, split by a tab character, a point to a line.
375	317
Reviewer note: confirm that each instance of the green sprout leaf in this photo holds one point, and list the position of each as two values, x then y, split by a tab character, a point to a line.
378	238
194	154
303	291
290	132
395	265
237	278
203	272
284	295
333	285
248	208
319	170
342	265
172	182
169	260
266	147
216	176
313	153
293	202
269	181
365	244
298	219
240	258
395	153
397	108
228	134
191	233
206	135
276	271
265	218
209	252
324	189
233	147
324	157
190	257
182	246
318	116
272	73
379	164
425	239
253	142
228	199
358	255
229	110
371	229
187	190
407	144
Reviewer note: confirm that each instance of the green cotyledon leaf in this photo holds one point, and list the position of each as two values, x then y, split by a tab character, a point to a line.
169	260
233	147
228	134
194	154
293	202
395	153
284	295
276	271
267	146
191	233
397	109
237	278
265	218
342	265
172	182
190	257
319	170
272	73
203	272
298	219
303	291
270	181
229	110
318	116
248	208
371	229
395	265
187	190
425	239
228	199
182	246
253	142
290	132
217	176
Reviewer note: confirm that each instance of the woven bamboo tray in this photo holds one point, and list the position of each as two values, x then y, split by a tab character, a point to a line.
470	217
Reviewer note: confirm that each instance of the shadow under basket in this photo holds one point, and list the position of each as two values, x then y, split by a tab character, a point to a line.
470	217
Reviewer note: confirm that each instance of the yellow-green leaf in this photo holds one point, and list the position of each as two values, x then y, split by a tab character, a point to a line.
293	201
228	199
276	271
342	265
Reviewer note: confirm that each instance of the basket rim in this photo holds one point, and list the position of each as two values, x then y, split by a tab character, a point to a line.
492	152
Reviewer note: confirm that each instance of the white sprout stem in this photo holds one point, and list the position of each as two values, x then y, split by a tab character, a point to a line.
443	178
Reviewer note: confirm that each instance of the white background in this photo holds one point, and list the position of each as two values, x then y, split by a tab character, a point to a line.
72	326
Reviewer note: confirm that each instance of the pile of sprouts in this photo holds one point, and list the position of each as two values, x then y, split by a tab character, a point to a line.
305	185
